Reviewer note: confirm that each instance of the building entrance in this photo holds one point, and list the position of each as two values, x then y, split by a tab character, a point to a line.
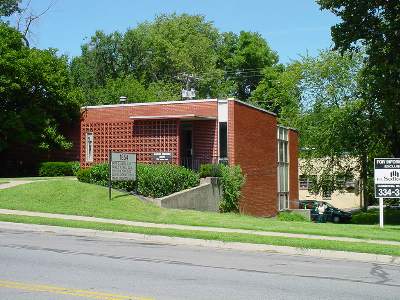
186	147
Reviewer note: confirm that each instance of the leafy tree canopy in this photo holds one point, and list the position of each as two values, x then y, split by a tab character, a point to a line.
34	103
175	50
8	7
375	27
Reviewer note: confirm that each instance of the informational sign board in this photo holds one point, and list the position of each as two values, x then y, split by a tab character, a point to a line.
123	166
162	156
387	177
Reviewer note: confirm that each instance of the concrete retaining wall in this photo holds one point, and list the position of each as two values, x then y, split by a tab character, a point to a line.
306	213
204	197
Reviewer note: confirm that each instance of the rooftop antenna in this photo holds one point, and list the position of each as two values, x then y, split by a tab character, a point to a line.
187	92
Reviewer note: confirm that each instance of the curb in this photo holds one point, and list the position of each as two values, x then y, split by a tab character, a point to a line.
326	254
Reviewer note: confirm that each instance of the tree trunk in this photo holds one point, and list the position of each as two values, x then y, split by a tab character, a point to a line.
364	199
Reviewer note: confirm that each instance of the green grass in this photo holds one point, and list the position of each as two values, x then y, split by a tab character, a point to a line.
3	181
76	198
206	235
390	217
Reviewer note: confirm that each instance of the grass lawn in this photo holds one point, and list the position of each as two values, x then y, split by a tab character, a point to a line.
2	181
76	198
226	237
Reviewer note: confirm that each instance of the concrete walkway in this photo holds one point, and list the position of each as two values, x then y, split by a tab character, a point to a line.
196	228
13	183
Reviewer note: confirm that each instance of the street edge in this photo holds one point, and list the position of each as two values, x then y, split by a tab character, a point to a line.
326	254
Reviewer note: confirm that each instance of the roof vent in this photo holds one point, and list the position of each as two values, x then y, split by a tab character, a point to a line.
122	99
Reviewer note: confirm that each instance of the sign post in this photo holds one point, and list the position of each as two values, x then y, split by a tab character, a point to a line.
387	181
122	167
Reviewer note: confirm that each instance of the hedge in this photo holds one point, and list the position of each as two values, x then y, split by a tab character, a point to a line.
210	170
58	168
152	180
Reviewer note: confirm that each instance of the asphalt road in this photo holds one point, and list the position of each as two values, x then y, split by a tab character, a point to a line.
49	266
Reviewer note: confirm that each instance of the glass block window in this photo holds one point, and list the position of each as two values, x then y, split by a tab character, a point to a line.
283	168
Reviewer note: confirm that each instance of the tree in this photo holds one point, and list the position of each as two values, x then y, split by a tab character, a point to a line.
170	45
244	58
34	103
375	27
176	49
100	61
335	121
24	16
8	7
279	92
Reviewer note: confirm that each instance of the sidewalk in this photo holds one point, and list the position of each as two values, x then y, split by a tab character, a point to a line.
13	183
191	242
195	228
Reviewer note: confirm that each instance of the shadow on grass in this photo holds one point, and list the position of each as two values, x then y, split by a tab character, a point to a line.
120	196
371	217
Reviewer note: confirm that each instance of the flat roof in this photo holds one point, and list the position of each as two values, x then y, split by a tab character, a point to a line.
177	102
181	117
149	103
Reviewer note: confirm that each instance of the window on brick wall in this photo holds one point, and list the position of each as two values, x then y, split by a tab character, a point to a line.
283	168
306	182
223	140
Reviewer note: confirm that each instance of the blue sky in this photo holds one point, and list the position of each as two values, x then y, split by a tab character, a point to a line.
291	27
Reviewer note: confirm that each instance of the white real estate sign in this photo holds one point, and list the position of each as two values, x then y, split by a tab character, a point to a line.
123	166
387	181
387	177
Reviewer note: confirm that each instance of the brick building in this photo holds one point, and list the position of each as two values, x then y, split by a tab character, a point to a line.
194	132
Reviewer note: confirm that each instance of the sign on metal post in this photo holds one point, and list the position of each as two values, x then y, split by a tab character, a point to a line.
387	181
122	167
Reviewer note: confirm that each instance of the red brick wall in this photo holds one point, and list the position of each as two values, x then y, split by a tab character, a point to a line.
255	150
113	129
293	170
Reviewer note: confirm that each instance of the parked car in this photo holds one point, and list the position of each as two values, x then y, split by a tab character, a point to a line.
332	214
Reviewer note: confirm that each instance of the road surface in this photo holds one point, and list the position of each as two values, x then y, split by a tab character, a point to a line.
52	266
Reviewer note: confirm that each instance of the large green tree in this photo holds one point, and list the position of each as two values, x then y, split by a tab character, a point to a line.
8	7
172	50
100	61
34	103
375	27
335	121
279	92
245	58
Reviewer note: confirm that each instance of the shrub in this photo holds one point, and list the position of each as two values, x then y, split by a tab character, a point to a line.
152	180
83	175
289	216
210	170
164	179
54	168
75	166
232	180
99	174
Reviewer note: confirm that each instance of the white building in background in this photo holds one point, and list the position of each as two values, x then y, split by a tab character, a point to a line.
348	198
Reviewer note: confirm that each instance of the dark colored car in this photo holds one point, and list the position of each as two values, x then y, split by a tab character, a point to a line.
332	214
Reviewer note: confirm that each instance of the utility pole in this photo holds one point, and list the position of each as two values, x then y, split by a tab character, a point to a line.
188	79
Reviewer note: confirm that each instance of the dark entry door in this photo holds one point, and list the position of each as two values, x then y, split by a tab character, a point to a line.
187	145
